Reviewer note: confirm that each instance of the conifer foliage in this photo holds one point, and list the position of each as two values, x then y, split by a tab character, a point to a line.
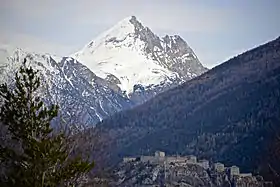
41	156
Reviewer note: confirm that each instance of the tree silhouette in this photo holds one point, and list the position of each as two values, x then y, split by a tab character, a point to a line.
33	154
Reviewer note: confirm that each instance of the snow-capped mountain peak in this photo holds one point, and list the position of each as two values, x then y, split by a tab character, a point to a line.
134	55
118	32
120	52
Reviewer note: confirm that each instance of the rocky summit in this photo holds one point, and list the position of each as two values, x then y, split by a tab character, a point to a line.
134	55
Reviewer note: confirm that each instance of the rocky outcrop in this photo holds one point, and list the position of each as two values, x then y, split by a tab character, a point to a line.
137	173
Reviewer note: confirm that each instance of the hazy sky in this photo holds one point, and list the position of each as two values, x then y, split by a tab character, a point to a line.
215	29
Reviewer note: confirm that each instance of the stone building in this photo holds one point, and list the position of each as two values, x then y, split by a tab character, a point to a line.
204	163
129	159
158	158
245	175
192	159
219	167
159	154
150	159
234	170
171	159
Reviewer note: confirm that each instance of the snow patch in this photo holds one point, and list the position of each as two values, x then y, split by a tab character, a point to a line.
97	114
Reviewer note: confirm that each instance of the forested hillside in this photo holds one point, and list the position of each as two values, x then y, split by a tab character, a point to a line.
230	114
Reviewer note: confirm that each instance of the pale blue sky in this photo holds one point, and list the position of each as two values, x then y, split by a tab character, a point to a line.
215	29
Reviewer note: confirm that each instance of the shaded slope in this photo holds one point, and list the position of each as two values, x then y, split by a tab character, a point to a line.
229	114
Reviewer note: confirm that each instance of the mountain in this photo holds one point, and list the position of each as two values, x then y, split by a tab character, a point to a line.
122	68
132	56
230	114
83	97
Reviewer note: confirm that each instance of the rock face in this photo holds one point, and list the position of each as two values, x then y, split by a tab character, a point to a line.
122	68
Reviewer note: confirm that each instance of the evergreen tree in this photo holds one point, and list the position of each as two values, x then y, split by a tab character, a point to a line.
42	157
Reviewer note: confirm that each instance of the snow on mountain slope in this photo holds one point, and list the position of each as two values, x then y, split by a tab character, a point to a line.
84	98
135	56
